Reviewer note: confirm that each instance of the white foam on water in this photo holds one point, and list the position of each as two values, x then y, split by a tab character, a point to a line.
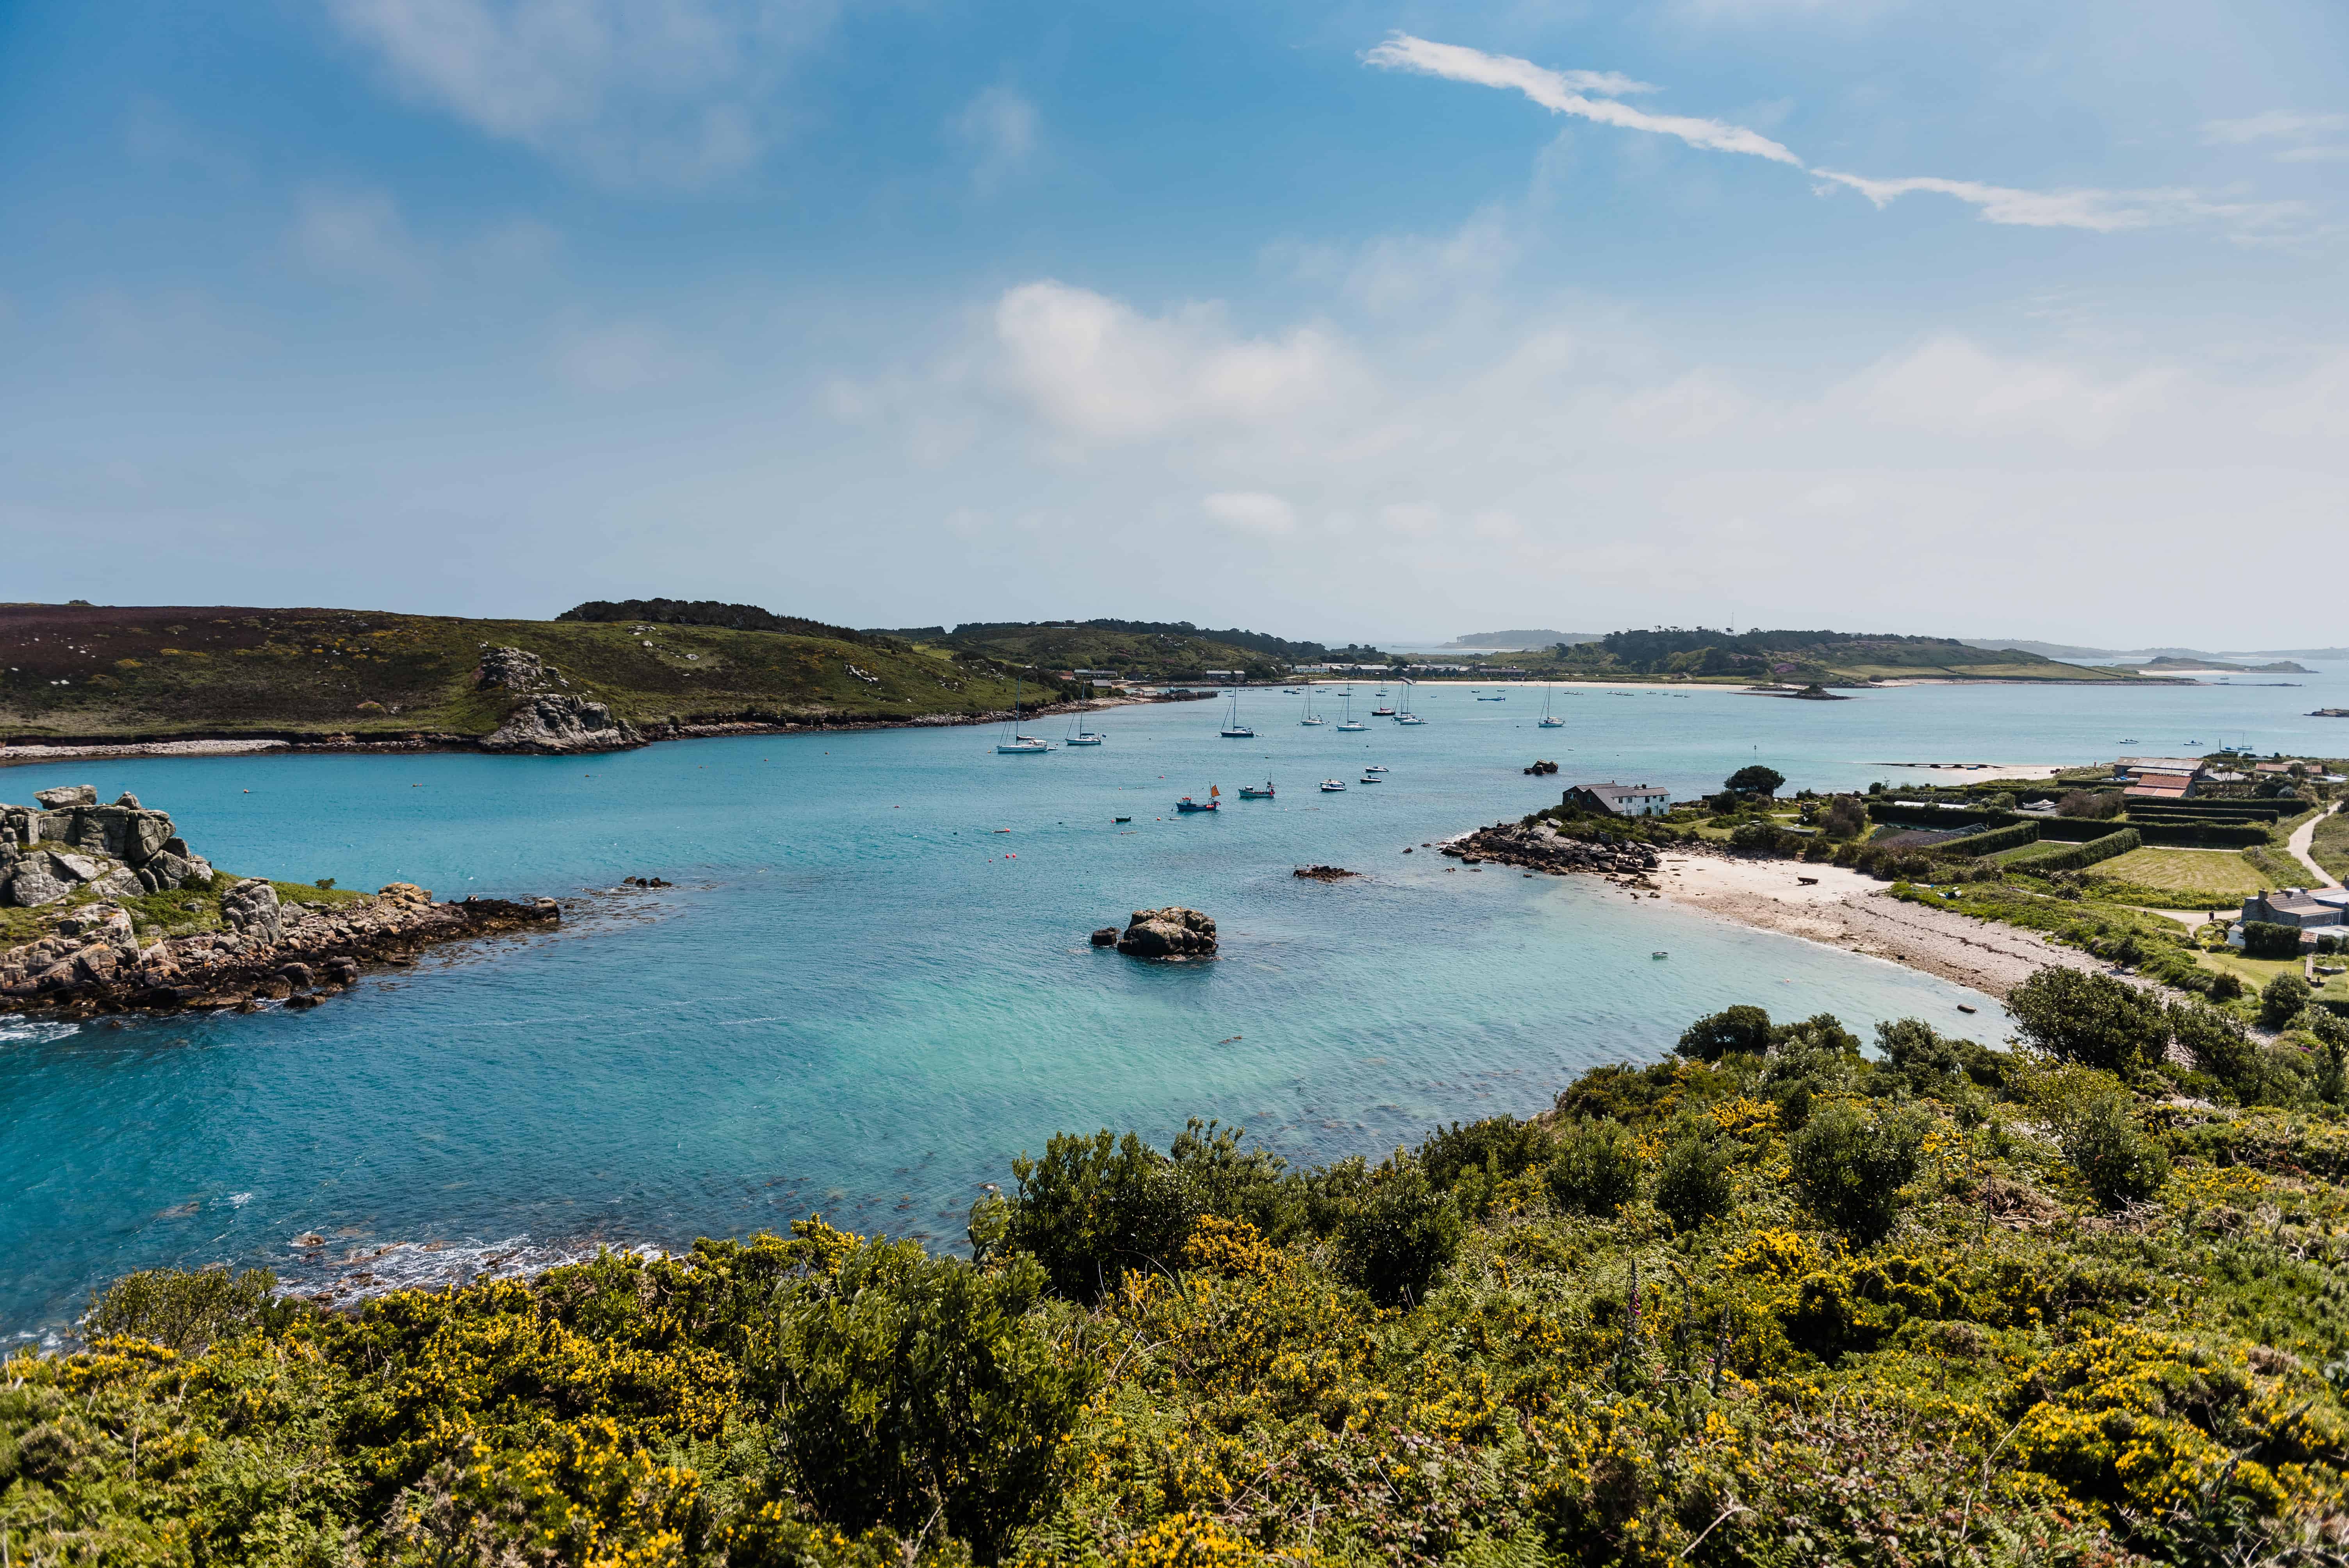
36	1033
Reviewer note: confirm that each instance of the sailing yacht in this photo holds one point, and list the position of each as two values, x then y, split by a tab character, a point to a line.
1383	711
1548	722
1233	729
1078	736
1018	744
1310	717
1350	722
1403	709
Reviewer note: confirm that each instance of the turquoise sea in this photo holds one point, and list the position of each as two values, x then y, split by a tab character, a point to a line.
870	986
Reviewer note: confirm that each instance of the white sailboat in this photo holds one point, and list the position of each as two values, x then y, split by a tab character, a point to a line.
1310	717
1350	722
1233	729
1078	736
1548	722
1403	709
1017	744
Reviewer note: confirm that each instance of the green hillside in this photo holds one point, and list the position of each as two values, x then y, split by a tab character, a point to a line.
1832	658
83	672
1137	650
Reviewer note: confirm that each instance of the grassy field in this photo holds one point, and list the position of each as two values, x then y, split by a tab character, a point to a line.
2331	845
101	673
2202	876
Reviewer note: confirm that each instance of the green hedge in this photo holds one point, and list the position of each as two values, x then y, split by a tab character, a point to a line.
2012	836
2075	856
1936	817
2207	835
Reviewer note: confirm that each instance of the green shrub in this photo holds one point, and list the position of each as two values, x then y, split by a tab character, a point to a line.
1498	1146
2281	998
2266	939
1093	1208
1848	1167
1399	1236
1740	1030
2215	1042
185	1309
920	1385
2093	1020
1693	1182
1596	1169
2113	1157
2077	857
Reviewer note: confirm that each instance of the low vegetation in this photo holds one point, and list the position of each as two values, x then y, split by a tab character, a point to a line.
1801	658
1771	1300
96	673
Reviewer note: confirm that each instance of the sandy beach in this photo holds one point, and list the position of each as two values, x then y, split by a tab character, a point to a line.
1845	909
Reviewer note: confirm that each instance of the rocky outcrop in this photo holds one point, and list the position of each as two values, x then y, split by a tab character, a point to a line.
1324	874
1105	937
1543	848
71	841
513	669
92	962
561	724
1172	932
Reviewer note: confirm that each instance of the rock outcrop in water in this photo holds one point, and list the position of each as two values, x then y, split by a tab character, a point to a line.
76	858
66	841
1543	848
1170	933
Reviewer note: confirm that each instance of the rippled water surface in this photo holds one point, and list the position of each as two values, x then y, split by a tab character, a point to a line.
870	986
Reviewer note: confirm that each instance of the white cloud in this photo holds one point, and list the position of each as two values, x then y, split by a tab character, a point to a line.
621	356
2275	123
1564	92
359	237
636	92
1097	369
1951	387
2100	210
1250	512
2334	152
2104	211
998	130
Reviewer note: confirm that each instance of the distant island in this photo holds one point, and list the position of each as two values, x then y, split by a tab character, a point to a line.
2071	651
1513	641
2183	665
611	674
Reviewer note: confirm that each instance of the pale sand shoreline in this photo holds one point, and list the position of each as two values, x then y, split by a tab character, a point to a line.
1845	909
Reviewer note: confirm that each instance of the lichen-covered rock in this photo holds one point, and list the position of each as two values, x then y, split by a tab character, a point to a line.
32	886
66	796
561	724
75	868
511	669
249	908
1170	933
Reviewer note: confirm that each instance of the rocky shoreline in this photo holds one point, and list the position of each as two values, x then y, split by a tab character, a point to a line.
93	964
1544	849
80	869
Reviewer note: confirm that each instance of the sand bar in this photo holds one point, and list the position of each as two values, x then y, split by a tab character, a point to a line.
1846	909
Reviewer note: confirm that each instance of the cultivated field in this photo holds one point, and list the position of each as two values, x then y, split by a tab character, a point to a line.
2221	874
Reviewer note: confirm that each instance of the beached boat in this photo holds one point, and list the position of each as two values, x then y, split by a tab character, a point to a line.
1016	743
1333	786
1248	793
1233	729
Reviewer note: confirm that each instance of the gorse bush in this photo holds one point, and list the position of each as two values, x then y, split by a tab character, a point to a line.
1434	1360
1596	1169
2114	1158
1850	1167
1692	1180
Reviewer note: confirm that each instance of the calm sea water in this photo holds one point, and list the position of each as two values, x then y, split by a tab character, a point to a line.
870	988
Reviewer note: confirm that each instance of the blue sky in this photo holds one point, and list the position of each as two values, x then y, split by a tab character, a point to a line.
1381	321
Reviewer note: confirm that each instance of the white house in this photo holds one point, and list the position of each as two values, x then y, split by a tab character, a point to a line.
1623	800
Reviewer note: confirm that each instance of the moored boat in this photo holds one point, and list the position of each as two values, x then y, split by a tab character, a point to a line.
1248	793
1333	786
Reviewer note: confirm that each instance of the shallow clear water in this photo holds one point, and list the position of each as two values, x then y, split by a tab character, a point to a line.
871	987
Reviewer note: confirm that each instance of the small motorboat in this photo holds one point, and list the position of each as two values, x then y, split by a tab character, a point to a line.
1963	1007
1121	819
1374	768
1492	699
1333	786
1372	779
1660	952
1247	793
